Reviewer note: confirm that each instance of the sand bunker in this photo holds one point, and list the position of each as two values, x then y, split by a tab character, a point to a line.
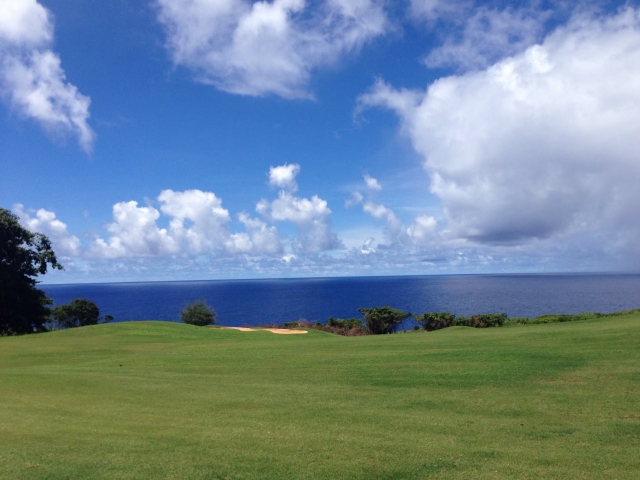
280	331
284	331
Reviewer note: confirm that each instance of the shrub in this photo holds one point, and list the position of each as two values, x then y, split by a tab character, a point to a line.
350	327
431	321
345	322
486	320
79	312
198	313
381	320
301	323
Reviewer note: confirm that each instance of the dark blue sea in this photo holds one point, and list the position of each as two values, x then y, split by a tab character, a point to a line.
261	302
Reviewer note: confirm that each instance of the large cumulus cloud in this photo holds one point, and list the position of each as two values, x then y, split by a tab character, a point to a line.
542	144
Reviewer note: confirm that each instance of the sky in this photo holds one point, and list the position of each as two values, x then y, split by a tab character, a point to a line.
217	139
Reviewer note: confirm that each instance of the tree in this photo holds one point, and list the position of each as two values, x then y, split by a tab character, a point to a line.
23	256
431	321
381	320
79	312
198	313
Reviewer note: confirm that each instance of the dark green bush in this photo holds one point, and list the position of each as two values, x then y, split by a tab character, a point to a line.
381	320
486	320
350	327
301	323
345	322
198	313
79	312
431	321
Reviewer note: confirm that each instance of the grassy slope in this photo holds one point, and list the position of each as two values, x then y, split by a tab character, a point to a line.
164	400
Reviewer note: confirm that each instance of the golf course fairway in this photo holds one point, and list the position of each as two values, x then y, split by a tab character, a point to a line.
163	400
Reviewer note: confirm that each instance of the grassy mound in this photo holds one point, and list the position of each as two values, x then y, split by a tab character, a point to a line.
165	400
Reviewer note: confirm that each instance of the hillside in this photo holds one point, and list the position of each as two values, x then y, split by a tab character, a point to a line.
166	400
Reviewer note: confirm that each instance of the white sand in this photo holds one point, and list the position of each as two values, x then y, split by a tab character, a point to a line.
279	331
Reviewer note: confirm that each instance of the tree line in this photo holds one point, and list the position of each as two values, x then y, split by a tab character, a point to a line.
385	320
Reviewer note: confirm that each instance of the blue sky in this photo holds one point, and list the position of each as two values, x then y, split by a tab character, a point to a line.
175	139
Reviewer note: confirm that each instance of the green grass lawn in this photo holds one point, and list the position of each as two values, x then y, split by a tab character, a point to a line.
166	400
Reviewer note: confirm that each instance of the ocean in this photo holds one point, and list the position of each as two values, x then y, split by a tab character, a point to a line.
261	302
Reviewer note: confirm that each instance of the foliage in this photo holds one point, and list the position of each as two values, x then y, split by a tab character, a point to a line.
198	313
348	327
486	320
80	312
431	321
345	322
300	323
381	320
23	256
437	320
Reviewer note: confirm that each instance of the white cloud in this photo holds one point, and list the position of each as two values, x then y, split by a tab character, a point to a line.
259	239
134	233
31	77
311	217
378	211
487	36
543	144
45	222
297	210
288	258
198	218
284	176
367	247
372	183
433	10
423	230
356	199
25	22
198	225
261	48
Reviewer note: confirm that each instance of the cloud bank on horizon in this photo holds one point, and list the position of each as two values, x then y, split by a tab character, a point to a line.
529	141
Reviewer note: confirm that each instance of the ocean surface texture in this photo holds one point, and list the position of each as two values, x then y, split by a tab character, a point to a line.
260	302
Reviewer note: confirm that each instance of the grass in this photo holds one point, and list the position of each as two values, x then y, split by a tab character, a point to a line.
563	317
166	400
